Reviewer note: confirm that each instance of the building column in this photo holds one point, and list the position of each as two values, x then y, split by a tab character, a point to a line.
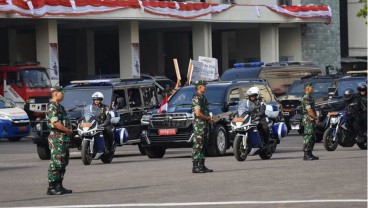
91	65
202	39
47	47
129	49
269	42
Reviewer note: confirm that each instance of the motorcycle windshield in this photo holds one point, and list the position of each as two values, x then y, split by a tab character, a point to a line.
244	106
90	112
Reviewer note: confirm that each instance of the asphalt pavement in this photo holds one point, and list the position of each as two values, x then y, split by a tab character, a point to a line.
338	179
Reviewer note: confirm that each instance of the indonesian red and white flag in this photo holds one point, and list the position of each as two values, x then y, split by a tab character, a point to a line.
164	105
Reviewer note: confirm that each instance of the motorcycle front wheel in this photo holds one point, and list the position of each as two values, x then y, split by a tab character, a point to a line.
86	152
240	152
328	142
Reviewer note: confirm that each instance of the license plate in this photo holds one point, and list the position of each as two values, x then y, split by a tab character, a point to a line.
22	128
295	126
167	132
286	113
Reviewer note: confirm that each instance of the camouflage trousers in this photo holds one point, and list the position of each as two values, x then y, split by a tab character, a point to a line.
59	149
308	135
200	142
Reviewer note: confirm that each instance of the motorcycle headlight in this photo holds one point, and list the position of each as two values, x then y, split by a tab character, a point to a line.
5	117
32	101
333	120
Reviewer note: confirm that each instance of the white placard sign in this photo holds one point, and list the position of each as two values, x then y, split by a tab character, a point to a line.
210	65
197	71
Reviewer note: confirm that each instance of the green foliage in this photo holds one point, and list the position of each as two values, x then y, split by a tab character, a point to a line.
363	11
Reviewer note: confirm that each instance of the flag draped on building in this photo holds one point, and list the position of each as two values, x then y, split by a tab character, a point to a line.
182	10
164	105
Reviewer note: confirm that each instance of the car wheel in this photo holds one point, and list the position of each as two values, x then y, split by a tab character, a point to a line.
43	151
219	142
14	139
155	152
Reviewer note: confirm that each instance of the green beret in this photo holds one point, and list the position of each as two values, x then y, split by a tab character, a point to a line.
308	84
57	89
200	82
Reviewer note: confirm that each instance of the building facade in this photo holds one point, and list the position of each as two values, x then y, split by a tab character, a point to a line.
92	38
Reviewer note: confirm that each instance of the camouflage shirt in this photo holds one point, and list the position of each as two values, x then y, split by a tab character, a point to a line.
200	102
307	101
56	113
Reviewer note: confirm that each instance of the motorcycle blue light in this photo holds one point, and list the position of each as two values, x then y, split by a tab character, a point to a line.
250	64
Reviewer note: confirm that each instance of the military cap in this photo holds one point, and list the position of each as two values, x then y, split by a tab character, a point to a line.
308	84
200	82
57	89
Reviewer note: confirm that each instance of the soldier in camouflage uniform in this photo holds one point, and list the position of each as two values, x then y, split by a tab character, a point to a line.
200	126
309	121
58	140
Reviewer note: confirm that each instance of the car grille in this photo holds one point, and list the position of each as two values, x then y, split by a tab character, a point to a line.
20	122
290	103
174	120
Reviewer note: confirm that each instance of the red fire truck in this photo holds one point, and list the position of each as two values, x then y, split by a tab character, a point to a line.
27	85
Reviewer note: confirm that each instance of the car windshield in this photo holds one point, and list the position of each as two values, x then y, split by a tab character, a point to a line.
184	96
241	73
35	77
80	97
349	83
4	103
319	88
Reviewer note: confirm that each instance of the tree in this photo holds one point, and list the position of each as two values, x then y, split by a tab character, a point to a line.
363	11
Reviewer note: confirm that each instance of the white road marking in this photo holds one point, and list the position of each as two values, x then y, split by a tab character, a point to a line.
210	203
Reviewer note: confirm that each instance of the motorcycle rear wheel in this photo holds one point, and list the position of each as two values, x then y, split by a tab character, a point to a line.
86	152
267	153
239	152
107	158
328	142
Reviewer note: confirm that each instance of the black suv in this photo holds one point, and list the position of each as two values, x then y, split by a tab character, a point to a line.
291	100
129	98
173	129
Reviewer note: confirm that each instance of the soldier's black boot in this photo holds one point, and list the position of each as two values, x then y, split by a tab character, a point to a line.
314	157
204	168
196	168
307	156
64	190
53	190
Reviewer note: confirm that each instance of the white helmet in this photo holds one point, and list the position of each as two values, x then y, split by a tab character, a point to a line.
97	95
253	91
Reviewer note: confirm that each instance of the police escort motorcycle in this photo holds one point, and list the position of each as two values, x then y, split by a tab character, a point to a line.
94	144
338	134
248	140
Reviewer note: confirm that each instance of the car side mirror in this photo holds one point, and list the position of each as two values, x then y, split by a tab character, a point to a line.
331	90
233	101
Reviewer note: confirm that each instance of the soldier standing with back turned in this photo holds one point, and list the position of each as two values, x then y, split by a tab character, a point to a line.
59	140
310	120
200	126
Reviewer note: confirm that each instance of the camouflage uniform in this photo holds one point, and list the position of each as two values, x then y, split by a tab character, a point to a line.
58	142
307	101
200	127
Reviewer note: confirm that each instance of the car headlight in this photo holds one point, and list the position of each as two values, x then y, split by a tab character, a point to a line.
5	117
145	119
32	101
